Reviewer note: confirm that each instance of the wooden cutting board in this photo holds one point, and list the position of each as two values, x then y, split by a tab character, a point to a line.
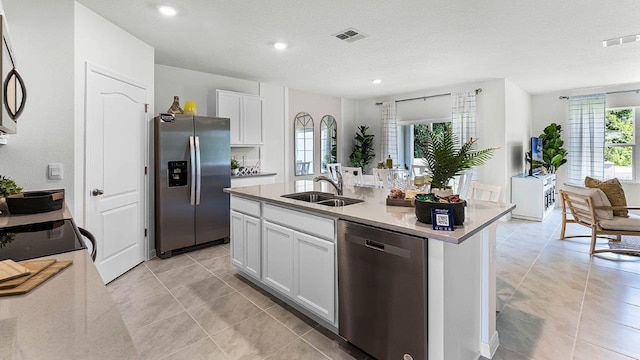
36	280
9	269
34	266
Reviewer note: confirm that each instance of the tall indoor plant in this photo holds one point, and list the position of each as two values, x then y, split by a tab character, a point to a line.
446	159
362	153
553	154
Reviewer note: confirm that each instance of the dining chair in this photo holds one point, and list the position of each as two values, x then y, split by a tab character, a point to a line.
484	192
418	169
462	183
352	175
381	178
333	170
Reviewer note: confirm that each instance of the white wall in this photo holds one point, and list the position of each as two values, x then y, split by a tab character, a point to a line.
275	115
548	108
103	44
195	86
517	132
317	106
42	38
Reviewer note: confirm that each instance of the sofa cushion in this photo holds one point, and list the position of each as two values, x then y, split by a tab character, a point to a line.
598	198
613	189
630	223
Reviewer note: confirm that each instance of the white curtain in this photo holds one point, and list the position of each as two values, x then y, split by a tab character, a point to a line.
463	115
586	137
389	132
463	125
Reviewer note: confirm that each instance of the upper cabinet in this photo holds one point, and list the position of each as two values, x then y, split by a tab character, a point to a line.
245	112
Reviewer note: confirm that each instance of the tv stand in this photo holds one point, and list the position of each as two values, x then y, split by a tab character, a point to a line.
534	196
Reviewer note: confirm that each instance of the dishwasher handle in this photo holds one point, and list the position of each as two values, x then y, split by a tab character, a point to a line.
374	245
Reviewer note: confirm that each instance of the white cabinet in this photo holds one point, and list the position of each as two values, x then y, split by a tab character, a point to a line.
314	274
277	257
240	181
237	239
252	240
246	236
292	253
534	196
245	112
229	105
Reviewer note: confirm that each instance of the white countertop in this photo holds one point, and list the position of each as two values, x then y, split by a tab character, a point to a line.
374	211
69	316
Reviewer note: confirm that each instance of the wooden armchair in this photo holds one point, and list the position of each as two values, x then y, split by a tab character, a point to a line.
590	208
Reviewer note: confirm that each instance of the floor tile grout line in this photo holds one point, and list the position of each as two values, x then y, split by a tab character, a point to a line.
190	316
584	295
310	344
527	273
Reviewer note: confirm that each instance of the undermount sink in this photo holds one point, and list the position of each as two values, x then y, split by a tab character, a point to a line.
322	198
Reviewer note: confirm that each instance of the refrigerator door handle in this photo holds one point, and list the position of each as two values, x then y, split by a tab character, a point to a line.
193	170
198	170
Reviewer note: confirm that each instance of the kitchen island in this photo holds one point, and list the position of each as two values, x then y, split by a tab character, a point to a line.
460	264
69	316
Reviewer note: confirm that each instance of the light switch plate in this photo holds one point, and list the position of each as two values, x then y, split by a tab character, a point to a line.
55	172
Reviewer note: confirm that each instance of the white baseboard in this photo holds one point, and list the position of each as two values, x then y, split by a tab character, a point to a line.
488	350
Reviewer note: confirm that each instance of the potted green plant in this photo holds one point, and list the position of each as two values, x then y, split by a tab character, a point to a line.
362	153
235	166
7	187
553	154
445	159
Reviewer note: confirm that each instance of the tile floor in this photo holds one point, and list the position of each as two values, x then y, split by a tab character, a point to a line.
555	302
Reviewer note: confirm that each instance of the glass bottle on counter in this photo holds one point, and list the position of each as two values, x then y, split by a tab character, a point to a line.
389	162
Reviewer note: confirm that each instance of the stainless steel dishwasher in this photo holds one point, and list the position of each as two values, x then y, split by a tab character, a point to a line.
382	291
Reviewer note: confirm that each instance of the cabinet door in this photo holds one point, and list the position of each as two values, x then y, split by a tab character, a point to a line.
314	275
252	120
252	250
237	239
277	257
230	106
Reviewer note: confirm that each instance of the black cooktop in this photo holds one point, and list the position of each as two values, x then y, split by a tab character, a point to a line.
36	240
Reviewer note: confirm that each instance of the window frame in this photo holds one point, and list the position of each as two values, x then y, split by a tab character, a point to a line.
635	149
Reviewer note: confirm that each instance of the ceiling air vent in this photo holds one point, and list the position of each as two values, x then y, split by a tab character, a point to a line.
350	35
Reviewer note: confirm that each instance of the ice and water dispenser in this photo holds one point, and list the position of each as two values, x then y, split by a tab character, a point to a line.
177	173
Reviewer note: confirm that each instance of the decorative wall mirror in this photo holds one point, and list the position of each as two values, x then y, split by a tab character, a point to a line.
303	142
14	93
328	142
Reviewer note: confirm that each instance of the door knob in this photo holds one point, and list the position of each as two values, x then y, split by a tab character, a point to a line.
96	192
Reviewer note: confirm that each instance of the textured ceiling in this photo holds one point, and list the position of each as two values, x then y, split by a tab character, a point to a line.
540	45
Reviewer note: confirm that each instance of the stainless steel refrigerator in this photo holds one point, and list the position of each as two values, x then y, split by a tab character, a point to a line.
191	168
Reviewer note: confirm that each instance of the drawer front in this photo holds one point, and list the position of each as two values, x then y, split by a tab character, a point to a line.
300	221
245	206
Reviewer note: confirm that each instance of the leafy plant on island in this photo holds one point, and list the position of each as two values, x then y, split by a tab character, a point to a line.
362	153
8	187
553	154
446	159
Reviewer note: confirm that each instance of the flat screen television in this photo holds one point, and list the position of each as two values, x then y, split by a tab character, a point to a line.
536	155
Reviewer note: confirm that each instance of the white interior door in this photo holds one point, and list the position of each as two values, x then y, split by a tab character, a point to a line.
115	123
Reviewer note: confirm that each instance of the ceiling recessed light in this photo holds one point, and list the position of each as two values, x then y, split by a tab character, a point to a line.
280	45
376	81
167	11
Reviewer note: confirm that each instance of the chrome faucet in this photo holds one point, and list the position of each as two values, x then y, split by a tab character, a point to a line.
339	185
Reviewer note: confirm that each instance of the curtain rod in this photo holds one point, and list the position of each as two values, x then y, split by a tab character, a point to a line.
478	91
608	93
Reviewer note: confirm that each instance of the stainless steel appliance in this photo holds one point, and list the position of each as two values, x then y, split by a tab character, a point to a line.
24	242
192	155
382	291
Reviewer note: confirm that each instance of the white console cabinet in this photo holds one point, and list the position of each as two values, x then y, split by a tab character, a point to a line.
534	196
245	112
